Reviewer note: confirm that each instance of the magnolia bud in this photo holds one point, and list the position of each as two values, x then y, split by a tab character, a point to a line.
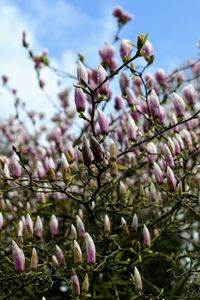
113	151
38	229
18	257
75	285
96	149
15	166
154	105
65	167
53	225
152	153
78	258
123	82
125	49
51	169
101	76
132	129
20	229
73	233
168	156
55	262
171	180
135	222
82	73
60	256
190	94
146	237
131	99
86	152
1	220
80	227
138	280
147	50
118	103
90	249
158	173
85	285
106	224
34	260
124	226
179	105
29	225
80	99
161	76
103	123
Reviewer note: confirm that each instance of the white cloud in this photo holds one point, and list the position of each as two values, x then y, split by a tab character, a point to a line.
51	22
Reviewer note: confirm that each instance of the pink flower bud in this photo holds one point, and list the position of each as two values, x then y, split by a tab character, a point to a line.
132	129
118	103
53	225
78	258
80	227
180	141
96	149
147	50
168	156
161	77
154	105
146	237
106	224
38	229
18	257
186	137
107	53
15	166
101	76
152	153
179	105
176	146
90	249
65	167
131	98
125	49
40	170
82	73
171	180
135	222
103	123
171	145
158	173
34	260
51	169
75	285
1	220
86	152
190	94
80	99
29	225
60	256
123	82
138	280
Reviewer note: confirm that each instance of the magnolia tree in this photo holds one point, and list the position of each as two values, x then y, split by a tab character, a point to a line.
110	211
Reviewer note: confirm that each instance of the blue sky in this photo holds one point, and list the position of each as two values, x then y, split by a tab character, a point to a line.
66	27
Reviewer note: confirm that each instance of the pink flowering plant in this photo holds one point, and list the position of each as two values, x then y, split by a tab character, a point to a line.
111	211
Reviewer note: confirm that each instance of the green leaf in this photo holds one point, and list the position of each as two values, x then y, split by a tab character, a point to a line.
121	167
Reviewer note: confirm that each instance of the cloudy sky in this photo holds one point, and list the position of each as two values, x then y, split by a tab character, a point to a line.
66	27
